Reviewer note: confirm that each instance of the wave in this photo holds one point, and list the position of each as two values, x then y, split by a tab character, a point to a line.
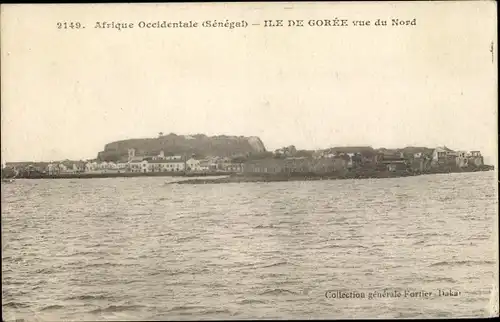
251	301
278	291
186	308
169	272
343	246
118	308
276	264
87	297
109	265
441	279
6	282
263	226
52	307
46	270
15	305
445	263
83	254
216	311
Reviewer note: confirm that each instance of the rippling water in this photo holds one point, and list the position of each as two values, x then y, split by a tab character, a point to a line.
136	248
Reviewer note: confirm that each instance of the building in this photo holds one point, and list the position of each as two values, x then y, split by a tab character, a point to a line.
176	165
443	155
264	166
193	165
328	165
174	158
132	155
392	160
138	166
300	164
234	167
160	156
122	166
165	165
462	160
420	164
475	158
224	163
53	168
286	151
204	165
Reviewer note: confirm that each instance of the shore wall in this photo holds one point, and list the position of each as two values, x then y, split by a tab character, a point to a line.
118	175
329	176
359	173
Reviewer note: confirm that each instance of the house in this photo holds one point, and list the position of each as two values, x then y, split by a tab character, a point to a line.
462	160
193	165
213	163
340	163
204	165
234	167
298	164
286	151
160	156
52	168
357	155
224	163
164	165
176	165
475	158
78	166
102	166
327	165
389	154
420	164
318	154
157	165
132	155
122	166
264	166
138	166
174	158
91	166
444	155
391	160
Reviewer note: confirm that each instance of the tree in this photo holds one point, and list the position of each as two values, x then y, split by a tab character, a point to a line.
160	134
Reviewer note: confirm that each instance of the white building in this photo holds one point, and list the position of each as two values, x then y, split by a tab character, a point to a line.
167	165
174	158
204	165
91	166
442	154
122	165
193	165
138	166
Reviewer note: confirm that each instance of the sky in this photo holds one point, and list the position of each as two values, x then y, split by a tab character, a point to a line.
66	93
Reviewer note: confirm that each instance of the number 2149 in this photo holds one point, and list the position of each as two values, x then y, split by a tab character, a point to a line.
69	25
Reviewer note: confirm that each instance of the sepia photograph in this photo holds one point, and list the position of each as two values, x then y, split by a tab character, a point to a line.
250	160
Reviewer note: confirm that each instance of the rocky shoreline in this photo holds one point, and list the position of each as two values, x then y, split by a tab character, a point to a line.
244	178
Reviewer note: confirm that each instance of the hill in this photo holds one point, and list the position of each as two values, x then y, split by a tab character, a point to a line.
173	144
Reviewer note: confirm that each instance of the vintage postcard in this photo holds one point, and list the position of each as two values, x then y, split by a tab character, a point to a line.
234	161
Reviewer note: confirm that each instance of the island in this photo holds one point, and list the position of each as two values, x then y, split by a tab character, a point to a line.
246	159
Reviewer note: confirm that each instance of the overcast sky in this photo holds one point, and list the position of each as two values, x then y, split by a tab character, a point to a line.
66	93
